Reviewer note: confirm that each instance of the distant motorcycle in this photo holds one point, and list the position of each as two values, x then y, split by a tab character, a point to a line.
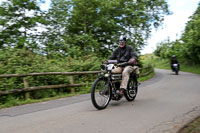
107	84
175	68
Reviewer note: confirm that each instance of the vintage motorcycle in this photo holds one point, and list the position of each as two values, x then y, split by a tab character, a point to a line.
107	84
175	68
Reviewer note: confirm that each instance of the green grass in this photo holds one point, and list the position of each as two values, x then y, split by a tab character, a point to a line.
155	61
165	64
141	79
193	127
17	102
191	68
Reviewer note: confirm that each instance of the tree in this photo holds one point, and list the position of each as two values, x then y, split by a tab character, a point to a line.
94	26
18	23
84	26
191	38
56	21
188	47
167	48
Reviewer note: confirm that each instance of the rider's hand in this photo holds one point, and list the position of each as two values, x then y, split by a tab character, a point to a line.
132	61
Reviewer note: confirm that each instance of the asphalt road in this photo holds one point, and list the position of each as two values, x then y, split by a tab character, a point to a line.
163	105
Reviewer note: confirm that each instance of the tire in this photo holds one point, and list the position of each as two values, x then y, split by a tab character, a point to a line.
176	71
100	93
132	89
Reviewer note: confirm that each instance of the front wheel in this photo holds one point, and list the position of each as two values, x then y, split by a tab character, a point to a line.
132	89
176	71
100	94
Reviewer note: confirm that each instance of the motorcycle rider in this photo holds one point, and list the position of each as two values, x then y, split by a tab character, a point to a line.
124	53
174	60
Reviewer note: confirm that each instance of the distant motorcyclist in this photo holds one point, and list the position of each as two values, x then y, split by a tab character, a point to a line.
124	53
174	60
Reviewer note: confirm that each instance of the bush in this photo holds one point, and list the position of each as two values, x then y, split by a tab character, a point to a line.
21	61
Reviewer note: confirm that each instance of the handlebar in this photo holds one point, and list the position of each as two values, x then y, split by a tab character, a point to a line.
122	64
117	64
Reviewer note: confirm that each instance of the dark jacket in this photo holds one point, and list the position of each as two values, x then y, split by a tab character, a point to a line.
174	61
123	54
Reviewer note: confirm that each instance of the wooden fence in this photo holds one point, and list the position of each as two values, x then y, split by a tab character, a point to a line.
27	88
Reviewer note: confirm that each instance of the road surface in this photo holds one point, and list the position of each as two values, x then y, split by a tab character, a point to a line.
163	105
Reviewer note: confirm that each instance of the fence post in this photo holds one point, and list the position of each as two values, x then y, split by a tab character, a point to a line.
71	80
26	85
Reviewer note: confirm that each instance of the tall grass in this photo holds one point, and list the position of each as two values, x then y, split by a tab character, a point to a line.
165	64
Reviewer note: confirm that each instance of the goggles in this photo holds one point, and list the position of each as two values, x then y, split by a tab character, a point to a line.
120	41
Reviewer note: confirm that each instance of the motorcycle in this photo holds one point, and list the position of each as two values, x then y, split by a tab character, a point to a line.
107	86
175	68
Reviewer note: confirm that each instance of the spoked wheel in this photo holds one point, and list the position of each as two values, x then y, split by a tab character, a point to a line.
100	94
132	89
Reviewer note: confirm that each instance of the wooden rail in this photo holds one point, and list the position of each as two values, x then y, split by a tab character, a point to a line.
27	89
48	73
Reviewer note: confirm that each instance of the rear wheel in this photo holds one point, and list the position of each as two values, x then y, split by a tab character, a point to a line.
100	94
132	89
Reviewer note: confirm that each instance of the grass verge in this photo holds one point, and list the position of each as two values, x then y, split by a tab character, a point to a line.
193	127
141	79
17	102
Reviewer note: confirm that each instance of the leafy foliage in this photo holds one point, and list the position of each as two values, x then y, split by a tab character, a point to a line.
21	61
73	35
19	19
187	49
191	37
94	26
